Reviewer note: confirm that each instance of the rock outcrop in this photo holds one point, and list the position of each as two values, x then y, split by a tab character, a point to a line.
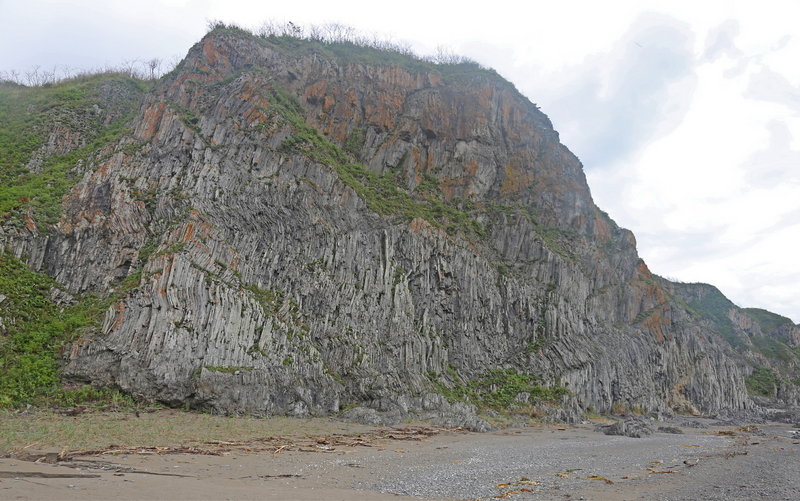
294	227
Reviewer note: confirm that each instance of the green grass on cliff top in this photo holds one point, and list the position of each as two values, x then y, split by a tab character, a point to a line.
350	48
768	321
27	117
714	307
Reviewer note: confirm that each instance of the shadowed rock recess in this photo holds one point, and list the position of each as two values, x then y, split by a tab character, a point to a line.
299	228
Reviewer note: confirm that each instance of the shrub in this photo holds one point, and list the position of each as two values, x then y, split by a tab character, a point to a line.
498	389
762	382
36	329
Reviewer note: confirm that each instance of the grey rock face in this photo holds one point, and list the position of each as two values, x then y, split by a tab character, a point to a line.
633	428
441	413
275	285
366	415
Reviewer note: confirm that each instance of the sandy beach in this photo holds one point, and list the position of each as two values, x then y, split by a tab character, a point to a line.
708	461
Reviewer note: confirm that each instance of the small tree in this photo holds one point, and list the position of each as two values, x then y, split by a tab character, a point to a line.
154	65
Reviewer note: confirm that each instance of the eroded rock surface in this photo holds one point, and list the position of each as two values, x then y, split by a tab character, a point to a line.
309	230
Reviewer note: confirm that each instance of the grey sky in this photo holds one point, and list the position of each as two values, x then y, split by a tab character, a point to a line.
618	99
685	114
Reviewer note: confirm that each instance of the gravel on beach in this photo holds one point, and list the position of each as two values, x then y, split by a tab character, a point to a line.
708	461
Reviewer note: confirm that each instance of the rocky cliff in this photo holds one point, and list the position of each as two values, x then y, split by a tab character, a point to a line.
292	227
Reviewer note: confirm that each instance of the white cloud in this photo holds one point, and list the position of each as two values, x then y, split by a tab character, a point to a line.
725	184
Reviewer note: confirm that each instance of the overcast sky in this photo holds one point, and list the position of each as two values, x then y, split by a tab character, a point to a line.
685	114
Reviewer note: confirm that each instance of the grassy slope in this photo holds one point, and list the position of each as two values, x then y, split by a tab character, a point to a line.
768	321
29	114
783	361
34	329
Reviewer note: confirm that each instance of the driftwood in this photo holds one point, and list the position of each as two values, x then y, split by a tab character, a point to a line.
278	444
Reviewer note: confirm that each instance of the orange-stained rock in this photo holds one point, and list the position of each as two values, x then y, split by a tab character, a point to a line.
280	279
151	121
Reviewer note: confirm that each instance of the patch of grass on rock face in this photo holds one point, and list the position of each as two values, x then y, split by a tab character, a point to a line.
763	382
383	193
33	332
499	389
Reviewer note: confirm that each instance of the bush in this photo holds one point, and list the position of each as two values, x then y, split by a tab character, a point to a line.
498	389
36	329
762	382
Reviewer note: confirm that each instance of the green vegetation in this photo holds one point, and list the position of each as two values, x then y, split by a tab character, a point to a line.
767	320
35	330
772	348
537	345
714	306
316	265
763	382
558	240
497	389
27	116
382	195
344	45
336	377
429	185
503	271
174	248
146	251
277	304
272	301
148	197
103	398
354	141
227	369
381	192
399	276
188	117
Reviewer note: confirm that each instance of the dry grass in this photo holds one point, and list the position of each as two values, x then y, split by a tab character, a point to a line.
598	418
42	431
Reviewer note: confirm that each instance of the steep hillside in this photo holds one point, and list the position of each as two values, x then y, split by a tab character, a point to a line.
768	342
290	226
